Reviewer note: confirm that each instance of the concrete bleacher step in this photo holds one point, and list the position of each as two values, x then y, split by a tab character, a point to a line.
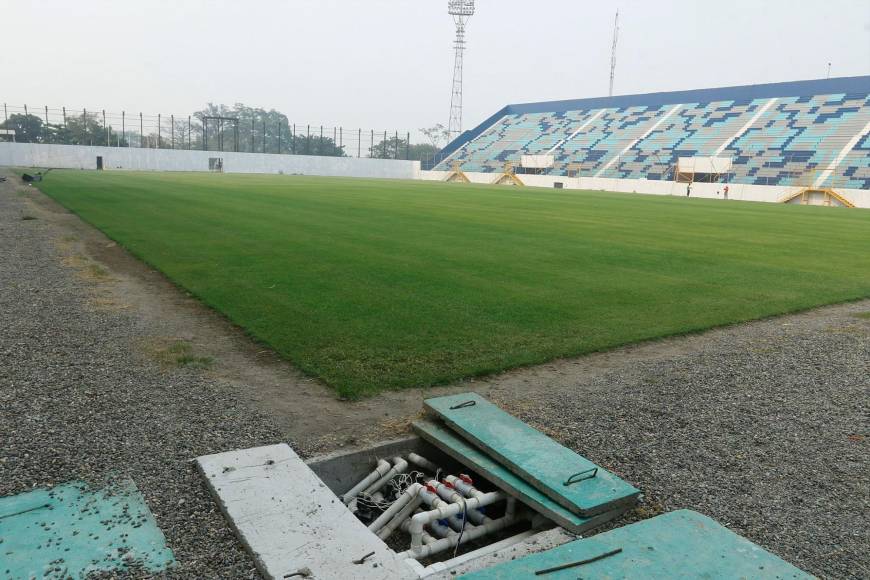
462	451
569	479
680	544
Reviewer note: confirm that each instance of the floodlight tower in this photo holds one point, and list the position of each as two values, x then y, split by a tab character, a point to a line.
461	10
613	52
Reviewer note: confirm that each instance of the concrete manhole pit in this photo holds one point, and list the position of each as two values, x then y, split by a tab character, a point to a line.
426	506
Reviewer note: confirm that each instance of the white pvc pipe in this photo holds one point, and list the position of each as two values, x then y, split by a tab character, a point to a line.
424	550
382	468
463	487
510	510
399	466
391	511
426	538
400	517
451	509
441	530
433	501
420	461
448	493
436	567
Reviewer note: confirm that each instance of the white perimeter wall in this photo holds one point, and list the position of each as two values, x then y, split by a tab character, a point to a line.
739	191
134	158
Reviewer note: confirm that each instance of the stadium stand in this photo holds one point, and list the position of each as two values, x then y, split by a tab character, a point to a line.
804	133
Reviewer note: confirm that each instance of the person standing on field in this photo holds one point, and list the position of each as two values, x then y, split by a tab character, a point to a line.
726	192
689	189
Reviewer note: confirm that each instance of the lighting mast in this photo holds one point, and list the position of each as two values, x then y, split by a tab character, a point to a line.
613	52
461	11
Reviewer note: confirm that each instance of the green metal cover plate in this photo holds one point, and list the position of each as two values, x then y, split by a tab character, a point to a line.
533	456
452	444
680	544
72	531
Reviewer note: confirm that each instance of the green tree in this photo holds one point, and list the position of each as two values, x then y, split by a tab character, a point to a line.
28	128
262	131
80	130
87	129
437	134
398	148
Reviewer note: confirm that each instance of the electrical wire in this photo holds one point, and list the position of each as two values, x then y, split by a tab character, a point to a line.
462	529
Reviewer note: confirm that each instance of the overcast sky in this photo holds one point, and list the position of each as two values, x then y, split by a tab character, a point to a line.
389	63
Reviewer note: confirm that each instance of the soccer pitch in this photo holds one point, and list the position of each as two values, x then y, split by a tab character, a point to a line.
377	284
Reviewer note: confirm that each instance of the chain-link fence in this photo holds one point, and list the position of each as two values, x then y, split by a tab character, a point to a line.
252	131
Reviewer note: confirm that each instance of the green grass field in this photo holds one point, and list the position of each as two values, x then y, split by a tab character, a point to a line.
375	284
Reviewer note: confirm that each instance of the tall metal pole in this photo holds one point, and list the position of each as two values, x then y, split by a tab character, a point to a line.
158	130
461	11
252	134
264	134
141	129
613	52
124	126
359	144
188	132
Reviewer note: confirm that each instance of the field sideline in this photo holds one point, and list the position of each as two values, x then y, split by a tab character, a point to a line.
375	284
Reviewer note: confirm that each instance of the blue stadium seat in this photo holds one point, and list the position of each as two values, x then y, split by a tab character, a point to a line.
805	132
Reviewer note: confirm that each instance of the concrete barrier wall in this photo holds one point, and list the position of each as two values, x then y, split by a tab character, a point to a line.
133	158
738	191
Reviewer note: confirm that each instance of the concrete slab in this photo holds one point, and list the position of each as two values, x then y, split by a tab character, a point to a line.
567	478
681	544
72	531
291	522
454	445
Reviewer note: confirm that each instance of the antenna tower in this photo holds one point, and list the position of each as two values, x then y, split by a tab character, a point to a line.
613	51
461	11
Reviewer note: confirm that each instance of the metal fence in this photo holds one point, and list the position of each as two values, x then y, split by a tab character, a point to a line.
254	133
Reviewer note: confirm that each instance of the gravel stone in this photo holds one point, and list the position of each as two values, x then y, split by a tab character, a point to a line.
763	427
766	432
76	403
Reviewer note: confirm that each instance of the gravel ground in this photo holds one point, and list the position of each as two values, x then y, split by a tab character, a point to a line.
77	403
768	436
763	427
